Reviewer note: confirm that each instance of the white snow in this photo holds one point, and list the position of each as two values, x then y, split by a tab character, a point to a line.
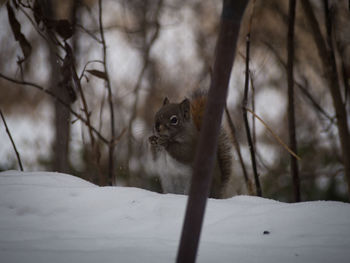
52	217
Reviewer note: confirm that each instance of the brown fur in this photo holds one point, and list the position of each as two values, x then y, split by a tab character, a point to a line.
180	140
197	110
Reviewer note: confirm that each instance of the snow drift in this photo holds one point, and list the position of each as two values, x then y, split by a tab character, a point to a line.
52	217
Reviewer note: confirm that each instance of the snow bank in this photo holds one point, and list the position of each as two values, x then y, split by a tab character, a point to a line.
52	217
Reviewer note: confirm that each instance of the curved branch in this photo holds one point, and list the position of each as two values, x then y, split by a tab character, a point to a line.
50	93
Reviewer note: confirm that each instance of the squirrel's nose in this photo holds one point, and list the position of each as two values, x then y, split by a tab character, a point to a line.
161	127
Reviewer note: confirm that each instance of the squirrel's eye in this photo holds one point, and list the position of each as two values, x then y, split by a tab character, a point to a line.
173	120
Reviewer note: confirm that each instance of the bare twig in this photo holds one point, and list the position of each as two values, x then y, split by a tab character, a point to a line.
253	107
110	99
313	102
13	143
69	63
52	36
244	106
50	93
327	56
87	63
274	134
245	118
92	35
33	23
146	62
304	90
118	138
85	107
238	151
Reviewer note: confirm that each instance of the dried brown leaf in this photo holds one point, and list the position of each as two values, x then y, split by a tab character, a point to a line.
98	73
16	29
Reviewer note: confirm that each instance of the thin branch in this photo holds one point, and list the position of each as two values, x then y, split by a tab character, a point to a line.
313	102
76	80
110	99
33	23
253	107
85	107
87	63
238	151
327	56
52	38
118	138
304	90
50	34
50	93
146	61
92	35
245	118
13	143
274	134
291	111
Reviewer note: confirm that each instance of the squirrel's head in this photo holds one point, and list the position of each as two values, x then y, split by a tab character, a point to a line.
172	117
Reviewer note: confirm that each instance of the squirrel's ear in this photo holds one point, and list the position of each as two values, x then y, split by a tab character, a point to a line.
185	108
166	101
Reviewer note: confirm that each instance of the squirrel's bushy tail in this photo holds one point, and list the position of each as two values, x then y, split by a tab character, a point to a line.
197	111
198	101
224	155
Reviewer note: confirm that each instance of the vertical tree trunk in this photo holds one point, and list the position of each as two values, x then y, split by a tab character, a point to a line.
291	112
203	166
61	114
62	130
111	164
329	64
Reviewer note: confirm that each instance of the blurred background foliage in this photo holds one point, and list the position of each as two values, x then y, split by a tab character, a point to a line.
164	48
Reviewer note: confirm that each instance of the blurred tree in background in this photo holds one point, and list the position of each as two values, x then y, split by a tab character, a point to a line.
164	48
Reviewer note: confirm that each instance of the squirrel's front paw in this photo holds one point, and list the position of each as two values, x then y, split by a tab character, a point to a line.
153	140
163	141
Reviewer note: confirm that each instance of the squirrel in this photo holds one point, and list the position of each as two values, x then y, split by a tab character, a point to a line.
176	130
